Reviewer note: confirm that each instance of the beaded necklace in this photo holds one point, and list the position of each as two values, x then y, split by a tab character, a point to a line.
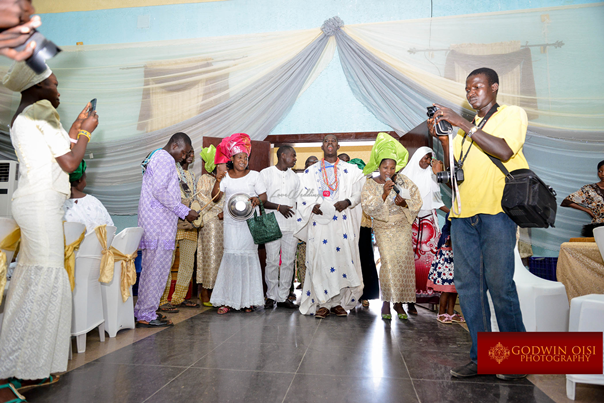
335	172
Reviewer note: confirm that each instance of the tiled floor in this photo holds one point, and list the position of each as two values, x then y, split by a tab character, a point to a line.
282	356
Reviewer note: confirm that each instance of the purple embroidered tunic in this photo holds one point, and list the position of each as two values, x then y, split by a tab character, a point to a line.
159	207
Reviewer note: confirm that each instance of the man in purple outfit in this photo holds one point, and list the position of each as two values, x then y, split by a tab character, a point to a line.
158	211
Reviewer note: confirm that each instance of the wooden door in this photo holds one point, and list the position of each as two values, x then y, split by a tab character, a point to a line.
259	159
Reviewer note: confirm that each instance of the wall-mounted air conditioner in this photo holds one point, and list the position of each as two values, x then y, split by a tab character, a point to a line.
9	172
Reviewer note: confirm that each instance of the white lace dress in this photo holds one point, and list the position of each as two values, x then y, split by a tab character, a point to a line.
239	281
36	330
87	210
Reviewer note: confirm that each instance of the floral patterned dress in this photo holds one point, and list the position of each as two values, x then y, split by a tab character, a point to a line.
392	229
591	197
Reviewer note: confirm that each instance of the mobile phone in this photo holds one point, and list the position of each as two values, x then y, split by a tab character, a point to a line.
93	105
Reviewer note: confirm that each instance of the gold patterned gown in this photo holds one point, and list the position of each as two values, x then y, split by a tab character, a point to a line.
392	229
210	239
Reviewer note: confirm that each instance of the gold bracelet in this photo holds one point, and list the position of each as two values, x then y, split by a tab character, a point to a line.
84	133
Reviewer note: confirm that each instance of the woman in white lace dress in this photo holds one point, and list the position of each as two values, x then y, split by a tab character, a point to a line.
35	337
84	208
239	281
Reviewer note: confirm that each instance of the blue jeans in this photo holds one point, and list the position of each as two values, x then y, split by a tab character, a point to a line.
483	249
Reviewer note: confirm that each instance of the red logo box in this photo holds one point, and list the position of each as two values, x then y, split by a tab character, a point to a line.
540	353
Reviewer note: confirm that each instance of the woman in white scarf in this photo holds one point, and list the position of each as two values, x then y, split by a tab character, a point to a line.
421	170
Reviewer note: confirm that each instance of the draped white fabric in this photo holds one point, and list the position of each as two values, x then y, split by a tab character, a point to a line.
218	86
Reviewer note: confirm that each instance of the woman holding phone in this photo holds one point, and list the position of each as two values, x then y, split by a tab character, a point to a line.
36	331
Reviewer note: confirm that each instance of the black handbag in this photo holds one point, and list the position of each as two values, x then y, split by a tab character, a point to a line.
264	227
527	200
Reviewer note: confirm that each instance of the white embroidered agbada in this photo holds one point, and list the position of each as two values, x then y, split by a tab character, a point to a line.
333	266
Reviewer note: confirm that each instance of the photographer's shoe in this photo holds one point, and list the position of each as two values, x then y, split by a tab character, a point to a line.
465	371
511	377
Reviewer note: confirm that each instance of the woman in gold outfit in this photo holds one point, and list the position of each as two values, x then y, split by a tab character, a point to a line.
393	217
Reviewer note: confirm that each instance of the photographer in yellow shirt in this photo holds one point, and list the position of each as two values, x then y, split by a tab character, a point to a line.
483	236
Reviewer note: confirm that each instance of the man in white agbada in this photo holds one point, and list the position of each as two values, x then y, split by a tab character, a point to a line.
329	220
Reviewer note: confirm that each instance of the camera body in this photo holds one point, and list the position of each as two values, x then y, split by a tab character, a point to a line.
443	127
445	176
44	50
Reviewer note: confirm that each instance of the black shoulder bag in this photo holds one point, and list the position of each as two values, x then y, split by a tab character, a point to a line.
527	200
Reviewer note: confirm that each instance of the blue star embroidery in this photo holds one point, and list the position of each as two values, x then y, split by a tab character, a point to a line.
346	171
313	301
306	171
304	203
324	241
344	216
314	223
332	269
308	293
335	218
299	219
345	236
344	275
325	291
352	300
338	249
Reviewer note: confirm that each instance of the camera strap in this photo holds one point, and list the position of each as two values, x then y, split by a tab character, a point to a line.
483	122
462	159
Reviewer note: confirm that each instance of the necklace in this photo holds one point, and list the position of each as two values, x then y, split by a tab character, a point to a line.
335	172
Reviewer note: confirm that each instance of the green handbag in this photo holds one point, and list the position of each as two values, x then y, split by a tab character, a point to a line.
264	227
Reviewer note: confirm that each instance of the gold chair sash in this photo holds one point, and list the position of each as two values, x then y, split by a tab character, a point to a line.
10	243
128	271
107	258
70	258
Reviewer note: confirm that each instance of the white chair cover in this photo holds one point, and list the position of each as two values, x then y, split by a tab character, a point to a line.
599	236
544	303
118	314
87	300
586	315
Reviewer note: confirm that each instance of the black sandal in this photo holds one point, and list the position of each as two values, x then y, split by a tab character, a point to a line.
168	307
155	323
188	304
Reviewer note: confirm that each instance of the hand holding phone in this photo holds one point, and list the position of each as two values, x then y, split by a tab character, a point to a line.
92	105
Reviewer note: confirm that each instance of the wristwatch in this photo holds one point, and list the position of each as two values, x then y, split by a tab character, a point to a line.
472	131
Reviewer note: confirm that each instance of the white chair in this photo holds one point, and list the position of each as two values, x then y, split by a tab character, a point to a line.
118	314
599	236
7	225
87	301
586	315
543	303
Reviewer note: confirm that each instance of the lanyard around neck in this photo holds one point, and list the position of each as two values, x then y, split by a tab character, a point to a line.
483	122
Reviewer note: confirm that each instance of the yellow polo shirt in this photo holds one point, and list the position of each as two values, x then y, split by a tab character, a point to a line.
482	189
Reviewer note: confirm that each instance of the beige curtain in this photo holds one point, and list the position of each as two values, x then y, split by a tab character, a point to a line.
176	90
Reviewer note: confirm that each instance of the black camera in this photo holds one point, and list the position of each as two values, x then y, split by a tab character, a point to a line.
443	127
445	176
44	50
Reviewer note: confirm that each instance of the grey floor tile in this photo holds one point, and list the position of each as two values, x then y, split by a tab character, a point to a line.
436	365
105	382
337	389
155	350
283	334
216	385
467	392
254	357
379	361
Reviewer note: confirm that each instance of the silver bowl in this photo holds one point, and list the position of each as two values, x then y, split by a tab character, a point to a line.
240	207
